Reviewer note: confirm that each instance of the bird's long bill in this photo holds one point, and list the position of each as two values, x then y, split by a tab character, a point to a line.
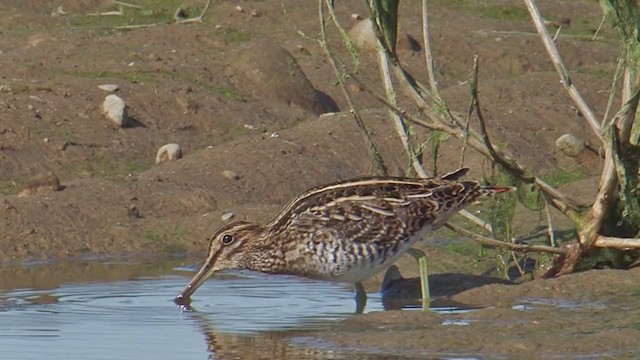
203	274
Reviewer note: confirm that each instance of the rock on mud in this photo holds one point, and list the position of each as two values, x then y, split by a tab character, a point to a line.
230	175
115	109
168	152
227	216
108	87
42	183
569	145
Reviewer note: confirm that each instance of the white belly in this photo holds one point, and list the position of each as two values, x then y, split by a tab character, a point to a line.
352	268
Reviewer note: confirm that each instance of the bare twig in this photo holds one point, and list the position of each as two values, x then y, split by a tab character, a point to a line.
384	50
197	19
428	56
556	198
552	50
505	245
552	237
612	93
515	262
129	5
608	181
595	35
375	154
475	101
618	243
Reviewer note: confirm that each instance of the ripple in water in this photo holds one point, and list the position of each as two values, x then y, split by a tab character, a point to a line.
239	317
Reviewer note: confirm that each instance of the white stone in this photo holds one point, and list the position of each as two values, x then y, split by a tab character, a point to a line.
227	216
115	109
108	87
569	145
168	152
230	175
363	36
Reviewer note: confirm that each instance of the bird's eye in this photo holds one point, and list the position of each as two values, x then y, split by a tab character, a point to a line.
227	239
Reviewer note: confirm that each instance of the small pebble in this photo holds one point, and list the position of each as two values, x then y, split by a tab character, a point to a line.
569	145
356	17
230	175
227	216
239	9
168	152
115	109
108	87
256	13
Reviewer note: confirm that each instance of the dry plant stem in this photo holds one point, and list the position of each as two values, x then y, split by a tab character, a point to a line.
199	18
595	35
608	182
475	103
428	56
128	5
552	237
552	50
609	179
515	262
505	245
375	154
398	122
617	243
108	13
556	198
404	136
612	92
524	33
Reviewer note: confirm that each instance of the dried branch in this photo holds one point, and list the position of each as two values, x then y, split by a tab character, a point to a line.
129	5
375	154
617	243
197	19
495	156
552	237
398	122
552	50
428	56
506	245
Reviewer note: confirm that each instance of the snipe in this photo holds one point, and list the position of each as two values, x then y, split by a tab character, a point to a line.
346	231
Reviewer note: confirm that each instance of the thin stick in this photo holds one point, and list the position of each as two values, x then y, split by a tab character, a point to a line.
398	122
552	236
515	262
604	17
618	243
375	154
612	93
506	245
556	198
552	50
129	5
428	55
199	18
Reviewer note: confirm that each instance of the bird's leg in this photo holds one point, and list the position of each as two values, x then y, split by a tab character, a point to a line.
361	298
421	257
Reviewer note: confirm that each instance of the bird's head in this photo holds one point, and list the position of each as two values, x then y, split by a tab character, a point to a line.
228	249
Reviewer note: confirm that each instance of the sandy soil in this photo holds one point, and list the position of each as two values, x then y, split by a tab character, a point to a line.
242	92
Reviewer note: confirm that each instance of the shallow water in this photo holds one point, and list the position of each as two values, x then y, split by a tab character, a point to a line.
95	310
126	311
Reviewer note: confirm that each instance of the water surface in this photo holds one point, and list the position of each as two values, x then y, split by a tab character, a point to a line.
126	311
